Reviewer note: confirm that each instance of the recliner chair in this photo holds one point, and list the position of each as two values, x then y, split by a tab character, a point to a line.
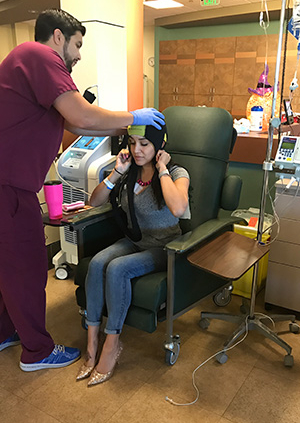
200	139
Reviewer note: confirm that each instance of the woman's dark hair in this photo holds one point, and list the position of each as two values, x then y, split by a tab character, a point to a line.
130	179
156	186
52	19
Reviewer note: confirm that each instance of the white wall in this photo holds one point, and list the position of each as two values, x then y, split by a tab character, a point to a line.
14	34
104	57
104	10
7	40
148	70
24	32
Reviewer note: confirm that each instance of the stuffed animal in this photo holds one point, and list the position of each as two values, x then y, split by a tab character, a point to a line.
263	96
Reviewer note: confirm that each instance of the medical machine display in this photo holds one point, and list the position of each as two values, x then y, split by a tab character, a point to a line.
288	153
88	143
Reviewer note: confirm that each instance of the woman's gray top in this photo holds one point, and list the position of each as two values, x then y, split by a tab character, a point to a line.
158	226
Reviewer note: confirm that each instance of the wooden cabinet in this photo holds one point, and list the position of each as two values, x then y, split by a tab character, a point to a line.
167	100
177	79
217	72
196	72
176	73
204	72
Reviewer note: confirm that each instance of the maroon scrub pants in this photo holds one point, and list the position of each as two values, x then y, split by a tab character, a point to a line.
23	273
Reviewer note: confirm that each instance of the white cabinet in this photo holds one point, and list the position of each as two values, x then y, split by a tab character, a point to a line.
283	280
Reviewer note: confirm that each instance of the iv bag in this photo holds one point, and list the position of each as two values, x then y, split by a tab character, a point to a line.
296	15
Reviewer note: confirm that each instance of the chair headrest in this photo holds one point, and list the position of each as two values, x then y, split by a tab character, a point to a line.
203	131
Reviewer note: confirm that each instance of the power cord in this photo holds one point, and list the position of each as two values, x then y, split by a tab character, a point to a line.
171	401
275	214
267	317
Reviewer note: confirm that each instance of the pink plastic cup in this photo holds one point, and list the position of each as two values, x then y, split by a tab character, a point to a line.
53	191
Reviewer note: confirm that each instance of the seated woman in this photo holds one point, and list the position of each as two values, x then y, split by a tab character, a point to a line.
153	195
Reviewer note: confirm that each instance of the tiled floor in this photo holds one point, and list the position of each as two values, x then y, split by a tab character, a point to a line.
252	387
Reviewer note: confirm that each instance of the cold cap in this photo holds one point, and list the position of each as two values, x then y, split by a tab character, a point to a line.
155	136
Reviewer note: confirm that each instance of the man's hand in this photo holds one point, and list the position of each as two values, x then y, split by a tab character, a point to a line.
148	116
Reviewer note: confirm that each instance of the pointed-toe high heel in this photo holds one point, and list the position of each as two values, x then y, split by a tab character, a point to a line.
97	377
84	372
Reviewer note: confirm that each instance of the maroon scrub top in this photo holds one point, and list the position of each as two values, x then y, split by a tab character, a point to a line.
32	76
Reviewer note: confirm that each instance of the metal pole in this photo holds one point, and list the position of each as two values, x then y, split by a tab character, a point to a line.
170	296
274	122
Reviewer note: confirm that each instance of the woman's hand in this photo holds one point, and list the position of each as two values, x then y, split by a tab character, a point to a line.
162	159
123	161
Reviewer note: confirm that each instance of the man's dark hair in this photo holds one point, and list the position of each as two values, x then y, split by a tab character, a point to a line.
52	19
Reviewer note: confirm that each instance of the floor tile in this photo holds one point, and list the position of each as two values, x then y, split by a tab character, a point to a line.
149	406
16	410
3	395
69	401
218	384
14	380
253	386
272	355
266	398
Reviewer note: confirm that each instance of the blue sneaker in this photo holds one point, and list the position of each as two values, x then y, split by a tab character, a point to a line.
10	342
61	356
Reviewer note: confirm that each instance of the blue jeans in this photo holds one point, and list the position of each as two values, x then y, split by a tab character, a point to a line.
109	280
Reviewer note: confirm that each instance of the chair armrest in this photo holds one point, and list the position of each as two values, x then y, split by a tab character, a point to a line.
89	217
212	227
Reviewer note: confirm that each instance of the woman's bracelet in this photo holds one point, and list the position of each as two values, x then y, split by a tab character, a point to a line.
164	172
109	185
118	172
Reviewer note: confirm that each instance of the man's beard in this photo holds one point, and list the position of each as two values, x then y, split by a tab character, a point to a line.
67	58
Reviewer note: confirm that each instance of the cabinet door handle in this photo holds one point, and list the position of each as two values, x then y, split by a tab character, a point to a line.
214	90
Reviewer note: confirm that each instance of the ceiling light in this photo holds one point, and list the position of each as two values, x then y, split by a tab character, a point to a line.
162	4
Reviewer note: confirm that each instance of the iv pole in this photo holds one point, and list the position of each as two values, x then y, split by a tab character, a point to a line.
273	123
252	321
267	165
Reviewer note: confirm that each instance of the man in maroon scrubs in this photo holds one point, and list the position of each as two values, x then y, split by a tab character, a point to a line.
38	99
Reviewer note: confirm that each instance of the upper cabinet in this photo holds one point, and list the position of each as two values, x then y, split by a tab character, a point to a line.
177	67
217	72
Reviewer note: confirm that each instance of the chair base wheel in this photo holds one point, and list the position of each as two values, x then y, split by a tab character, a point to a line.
172	353
294	328
222	358
288	360
63	271
222	298
204	323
